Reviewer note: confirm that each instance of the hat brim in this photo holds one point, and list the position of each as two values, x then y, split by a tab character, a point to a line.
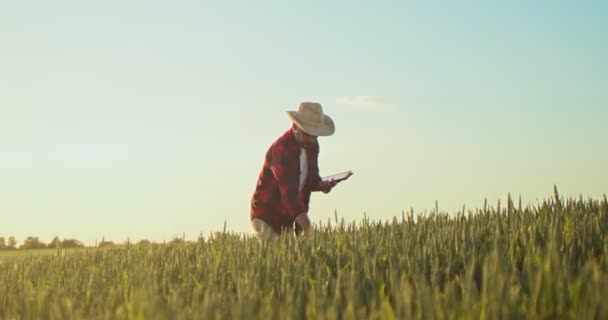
327	129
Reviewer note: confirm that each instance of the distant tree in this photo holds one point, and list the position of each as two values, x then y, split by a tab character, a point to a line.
177	240
71	243
2	243
32	243
12	243
144	242
105	243
55	243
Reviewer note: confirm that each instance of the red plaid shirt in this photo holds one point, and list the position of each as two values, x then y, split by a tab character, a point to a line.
277	199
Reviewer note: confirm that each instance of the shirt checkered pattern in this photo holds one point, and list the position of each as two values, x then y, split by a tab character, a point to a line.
277	199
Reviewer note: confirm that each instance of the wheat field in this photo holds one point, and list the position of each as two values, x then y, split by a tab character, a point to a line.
547	261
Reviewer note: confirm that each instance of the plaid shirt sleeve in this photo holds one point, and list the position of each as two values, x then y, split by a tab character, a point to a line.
314	167
284	167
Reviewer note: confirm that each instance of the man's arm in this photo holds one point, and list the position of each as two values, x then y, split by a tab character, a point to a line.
316	183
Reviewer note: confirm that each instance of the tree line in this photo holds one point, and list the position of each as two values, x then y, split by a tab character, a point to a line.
10	243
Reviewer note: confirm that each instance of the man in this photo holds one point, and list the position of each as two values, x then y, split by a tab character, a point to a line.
290	173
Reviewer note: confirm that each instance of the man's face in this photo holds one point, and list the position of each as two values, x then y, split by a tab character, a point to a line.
303	139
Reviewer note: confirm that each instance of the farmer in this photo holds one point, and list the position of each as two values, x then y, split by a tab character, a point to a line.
290	173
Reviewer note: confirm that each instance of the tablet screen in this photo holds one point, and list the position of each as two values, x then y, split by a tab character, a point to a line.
338	176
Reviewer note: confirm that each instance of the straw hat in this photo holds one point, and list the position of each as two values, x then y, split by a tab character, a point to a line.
310	119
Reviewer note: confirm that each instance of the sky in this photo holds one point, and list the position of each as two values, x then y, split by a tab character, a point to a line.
150	119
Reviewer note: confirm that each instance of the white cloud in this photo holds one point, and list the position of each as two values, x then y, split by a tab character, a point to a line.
363	101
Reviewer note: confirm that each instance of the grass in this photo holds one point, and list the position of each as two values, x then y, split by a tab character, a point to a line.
543	262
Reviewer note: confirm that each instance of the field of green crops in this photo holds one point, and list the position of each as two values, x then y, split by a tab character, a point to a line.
549	261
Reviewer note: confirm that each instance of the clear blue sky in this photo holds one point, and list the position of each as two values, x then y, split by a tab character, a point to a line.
148	119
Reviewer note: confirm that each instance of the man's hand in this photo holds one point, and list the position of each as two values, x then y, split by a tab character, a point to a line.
326	186
303	221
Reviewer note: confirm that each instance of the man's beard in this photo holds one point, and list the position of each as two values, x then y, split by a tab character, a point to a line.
305	145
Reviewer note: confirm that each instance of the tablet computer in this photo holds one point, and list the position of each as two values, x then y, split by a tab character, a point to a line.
338	176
